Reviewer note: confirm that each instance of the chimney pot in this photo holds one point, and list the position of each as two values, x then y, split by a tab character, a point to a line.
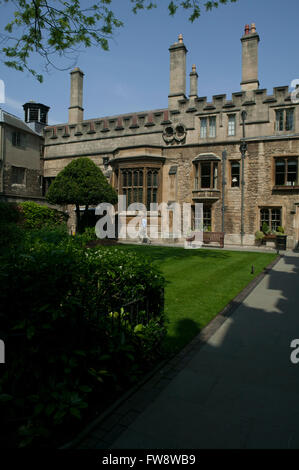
180	38
253	28
247	29
193	68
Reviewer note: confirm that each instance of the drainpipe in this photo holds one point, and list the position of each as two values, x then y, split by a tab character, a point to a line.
243	149
224	155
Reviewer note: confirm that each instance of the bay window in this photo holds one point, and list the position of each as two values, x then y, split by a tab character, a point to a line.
206	175
140	185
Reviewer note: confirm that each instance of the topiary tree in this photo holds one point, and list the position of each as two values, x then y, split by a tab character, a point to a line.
81	183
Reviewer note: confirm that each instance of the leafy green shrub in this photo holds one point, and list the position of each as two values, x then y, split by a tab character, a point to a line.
280	229
88	235
122	276
259	235
66	351
52	235
38	216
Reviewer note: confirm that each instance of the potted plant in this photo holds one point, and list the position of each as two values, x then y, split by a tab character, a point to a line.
265	228
270	236
281	239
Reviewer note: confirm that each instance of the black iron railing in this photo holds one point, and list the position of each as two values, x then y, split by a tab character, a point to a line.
138	311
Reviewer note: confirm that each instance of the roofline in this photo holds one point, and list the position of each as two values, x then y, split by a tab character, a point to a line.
29	130
115	116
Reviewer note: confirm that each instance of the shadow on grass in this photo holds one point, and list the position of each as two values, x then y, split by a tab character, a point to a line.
185	330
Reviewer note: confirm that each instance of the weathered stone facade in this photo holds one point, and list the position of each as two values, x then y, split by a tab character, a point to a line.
194	148
21	147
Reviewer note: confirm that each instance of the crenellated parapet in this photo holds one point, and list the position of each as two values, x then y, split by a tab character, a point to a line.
256	102
221	103
108	127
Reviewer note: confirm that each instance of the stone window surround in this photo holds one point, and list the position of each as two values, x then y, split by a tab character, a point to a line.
140	184
231	163
197	181
17	139
229	131
16	172
207	127
143	165
207	209
283	109
270	207
210	207
284	157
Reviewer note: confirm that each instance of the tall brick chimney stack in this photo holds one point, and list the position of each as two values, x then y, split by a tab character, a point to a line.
177	89
193	83
76	109
250	42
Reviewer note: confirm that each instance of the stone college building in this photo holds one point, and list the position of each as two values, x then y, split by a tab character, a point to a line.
194	150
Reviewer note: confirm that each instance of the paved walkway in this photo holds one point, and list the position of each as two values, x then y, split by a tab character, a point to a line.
239	390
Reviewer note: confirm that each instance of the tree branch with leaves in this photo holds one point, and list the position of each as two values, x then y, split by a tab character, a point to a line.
52	28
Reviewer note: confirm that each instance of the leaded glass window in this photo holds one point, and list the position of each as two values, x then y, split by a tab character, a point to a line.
140	185
232	124
203	128
212	126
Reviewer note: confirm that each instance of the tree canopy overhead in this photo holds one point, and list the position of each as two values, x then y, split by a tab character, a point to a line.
52	28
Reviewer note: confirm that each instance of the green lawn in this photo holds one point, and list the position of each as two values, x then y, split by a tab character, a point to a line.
200	283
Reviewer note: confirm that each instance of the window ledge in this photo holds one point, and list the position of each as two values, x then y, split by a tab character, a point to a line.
285	132
206	194
285	188
203	190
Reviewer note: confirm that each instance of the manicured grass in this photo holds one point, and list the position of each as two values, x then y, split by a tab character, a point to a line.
200	283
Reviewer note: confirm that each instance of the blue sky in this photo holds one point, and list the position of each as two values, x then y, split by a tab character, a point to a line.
134	74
